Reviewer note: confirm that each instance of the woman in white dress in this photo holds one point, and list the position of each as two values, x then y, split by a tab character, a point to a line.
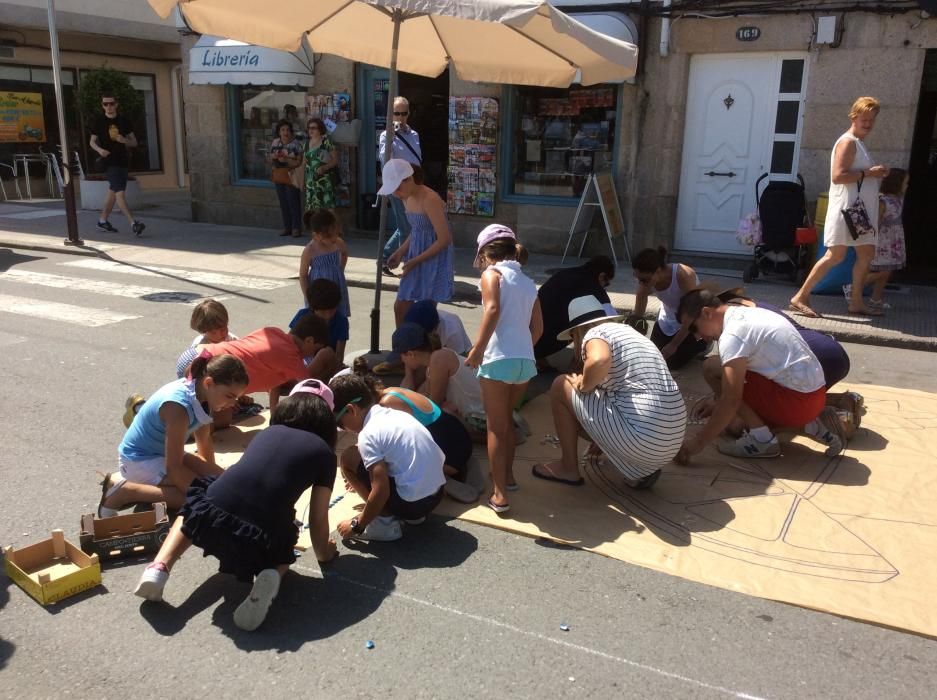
852	172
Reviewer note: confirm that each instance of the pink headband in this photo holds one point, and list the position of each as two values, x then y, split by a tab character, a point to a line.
316	388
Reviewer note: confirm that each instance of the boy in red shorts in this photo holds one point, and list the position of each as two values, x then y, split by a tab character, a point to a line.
765	377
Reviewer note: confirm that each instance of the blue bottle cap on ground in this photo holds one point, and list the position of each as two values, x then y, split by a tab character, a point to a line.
564	627
369	644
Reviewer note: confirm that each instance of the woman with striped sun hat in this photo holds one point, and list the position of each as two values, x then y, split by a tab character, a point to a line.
625	400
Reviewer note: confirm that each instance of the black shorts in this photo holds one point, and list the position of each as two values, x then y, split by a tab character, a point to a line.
453	439
397	506
117	177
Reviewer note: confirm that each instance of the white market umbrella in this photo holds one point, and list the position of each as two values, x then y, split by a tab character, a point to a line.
520	42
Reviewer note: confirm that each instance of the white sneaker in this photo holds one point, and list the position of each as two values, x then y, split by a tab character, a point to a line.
748	447
461	491
384	528
152	582
253	611
832	433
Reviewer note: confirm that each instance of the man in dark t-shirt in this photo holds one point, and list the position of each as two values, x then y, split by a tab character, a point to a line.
556	293
111	137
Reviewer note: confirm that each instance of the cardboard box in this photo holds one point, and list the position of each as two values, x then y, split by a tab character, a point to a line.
124	535
52	569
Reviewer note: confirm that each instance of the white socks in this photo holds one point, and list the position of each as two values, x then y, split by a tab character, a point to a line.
762	434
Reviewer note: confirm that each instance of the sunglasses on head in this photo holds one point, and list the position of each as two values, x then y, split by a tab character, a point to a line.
401	114
338	416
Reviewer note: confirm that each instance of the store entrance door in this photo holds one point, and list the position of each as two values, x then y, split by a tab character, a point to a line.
743	118
429	115
920	208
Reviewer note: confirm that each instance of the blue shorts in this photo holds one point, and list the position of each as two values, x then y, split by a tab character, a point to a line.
117	178
509	370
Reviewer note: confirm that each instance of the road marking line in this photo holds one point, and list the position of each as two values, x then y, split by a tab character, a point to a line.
210	278
54	311
116	289
391	593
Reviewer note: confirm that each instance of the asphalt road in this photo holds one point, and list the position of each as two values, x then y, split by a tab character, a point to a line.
454	610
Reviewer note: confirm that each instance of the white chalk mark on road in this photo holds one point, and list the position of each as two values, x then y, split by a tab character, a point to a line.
210	278
55	311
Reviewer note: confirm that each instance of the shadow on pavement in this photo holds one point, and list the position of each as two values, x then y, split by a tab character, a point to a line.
9	258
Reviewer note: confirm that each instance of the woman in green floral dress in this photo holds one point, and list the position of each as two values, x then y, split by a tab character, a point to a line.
320	159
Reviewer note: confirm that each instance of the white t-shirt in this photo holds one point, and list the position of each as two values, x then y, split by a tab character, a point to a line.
773	347
413	460
452	333
199	339
464	391
511	339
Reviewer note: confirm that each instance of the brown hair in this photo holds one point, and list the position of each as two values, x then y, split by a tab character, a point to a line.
893	182
320	221
650	260
208	315
864	105
319	123
504	249
311	326
226	370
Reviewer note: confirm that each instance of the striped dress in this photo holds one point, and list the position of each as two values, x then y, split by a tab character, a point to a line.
433	279
329	266
636	415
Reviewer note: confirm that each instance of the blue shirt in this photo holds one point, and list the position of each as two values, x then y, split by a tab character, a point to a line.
338	326
399	149
146	436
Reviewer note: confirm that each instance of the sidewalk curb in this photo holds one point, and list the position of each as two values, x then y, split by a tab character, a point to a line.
367	282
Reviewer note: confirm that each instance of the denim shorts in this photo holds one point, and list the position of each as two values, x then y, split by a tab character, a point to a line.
509	370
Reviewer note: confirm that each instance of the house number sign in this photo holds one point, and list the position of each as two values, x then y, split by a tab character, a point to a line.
748	33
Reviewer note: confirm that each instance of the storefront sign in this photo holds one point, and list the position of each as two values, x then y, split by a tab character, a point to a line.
21	117
748	33
217	61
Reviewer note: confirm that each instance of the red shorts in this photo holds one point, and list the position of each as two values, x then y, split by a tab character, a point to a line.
778	406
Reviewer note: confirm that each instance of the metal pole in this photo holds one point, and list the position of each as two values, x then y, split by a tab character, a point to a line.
397	18
71	218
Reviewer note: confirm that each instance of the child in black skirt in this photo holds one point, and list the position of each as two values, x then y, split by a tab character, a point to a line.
245	516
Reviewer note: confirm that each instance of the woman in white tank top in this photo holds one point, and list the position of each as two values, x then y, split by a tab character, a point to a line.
668	282
851	168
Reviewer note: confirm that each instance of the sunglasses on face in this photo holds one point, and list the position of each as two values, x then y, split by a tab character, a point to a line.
313	128
401	114
108	104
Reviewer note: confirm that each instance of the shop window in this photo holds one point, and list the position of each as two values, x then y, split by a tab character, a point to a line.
253	113
146	156
559	137
28	118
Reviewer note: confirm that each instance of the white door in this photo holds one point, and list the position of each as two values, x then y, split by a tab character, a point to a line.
744	115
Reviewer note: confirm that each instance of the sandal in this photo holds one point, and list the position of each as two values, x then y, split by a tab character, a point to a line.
108	489
498	508
800	309
866	312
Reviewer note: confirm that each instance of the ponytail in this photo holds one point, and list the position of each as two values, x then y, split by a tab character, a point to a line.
650	260
226	370
520	253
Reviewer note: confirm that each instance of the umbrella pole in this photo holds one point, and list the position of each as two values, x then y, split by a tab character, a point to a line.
397	17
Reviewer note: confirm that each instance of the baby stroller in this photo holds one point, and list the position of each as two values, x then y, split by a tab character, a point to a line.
786	231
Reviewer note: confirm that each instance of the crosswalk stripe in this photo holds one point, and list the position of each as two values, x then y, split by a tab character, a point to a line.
212	278
78	284
55	311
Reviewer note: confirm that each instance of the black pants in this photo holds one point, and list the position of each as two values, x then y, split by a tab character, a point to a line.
454	440
689	348
291	206
397	506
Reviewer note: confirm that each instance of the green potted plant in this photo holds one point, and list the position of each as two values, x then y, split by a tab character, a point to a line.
91	86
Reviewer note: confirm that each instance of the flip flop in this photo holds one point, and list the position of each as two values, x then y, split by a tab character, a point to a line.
498	507
802	310
550	477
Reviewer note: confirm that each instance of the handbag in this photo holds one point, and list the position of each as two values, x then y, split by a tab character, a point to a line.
281	176
298	176
857	216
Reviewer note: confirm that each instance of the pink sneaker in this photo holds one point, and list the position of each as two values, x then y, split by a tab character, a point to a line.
152	582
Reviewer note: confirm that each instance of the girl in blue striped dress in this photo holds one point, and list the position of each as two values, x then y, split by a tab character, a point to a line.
325	256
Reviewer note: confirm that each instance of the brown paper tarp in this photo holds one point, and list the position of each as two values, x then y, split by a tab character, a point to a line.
854	535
